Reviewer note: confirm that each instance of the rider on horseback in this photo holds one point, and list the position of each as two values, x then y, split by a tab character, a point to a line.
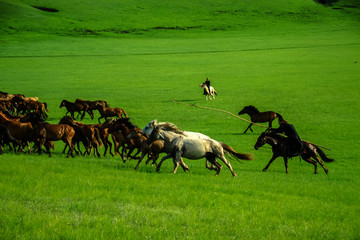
294	144
207	83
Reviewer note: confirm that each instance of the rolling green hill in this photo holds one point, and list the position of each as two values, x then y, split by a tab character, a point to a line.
79	17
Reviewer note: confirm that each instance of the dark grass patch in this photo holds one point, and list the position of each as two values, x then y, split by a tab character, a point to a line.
46	9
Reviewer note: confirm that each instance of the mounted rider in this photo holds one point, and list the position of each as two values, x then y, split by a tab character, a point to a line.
207	89
294	145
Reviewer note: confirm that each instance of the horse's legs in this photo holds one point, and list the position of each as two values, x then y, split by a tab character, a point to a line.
162	160
64	148
96	149
215	165
222	157
314	155
100	118
107	142
183	165
141	158
249	127
322	164
71	147
286	164
177	160
271	160
210	166
307	158
270	123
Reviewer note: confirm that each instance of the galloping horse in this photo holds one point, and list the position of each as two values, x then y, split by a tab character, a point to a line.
257	116
278	144
107	112
74	107
167	126
210	93
177	146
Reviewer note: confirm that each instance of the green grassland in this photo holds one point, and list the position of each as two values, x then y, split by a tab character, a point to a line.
298	58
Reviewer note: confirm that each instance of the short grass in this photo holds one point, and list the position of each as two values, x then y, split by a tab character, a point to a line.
307	73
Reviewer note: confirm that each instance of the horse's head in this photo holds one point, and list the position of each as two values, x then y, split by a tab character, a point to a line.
249	109
150	127
202	85
261	141
155	135
99	105
243	111
62	104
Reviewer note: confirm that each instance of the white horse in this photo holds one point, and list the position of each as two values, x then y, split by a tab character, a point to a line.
167	126
177	145
210	93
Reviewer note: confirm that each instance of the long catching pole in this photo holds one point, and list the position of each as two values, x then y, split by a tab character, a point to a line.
220	110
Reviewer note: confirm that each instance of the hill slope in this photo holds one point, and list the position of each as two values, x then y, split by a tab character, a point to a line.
79	17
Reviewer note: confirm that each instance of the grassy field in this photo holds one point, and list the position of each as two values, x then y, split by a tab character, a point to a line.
300	59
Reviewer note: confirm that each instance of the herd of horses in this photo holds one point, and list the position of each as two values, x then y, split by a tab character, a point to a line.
23	121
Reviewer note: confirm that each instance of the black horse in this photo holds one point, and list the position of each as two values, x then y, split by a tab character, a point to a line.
278	143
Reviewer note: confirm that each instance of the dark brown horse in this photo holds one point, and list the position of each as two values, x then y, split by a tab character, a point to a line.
107	112
91	105
72	108
278	143
257	116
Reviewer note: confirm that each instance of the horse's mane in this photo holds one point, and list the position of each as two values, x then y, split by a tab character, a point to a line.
167	126
252	108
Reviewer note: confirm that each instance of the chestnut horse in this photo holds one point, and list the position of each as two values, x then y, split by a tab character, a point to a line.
107	112
257	116
278	143
90	132
24	132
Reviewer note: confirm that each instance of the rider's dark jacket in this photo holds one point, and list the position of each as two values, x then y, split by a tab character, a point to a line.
295	145
207	83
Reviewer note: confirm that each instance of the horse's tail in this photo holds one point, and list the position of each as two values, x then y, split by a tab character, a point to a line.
322	155
232	152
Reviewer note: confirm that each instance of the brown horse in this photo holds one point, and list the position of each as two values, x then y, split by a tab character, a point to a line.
140	139
24	132
57	132
156	148
257	116
107	112
74	107
125	127
91	105
90	132
278	143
